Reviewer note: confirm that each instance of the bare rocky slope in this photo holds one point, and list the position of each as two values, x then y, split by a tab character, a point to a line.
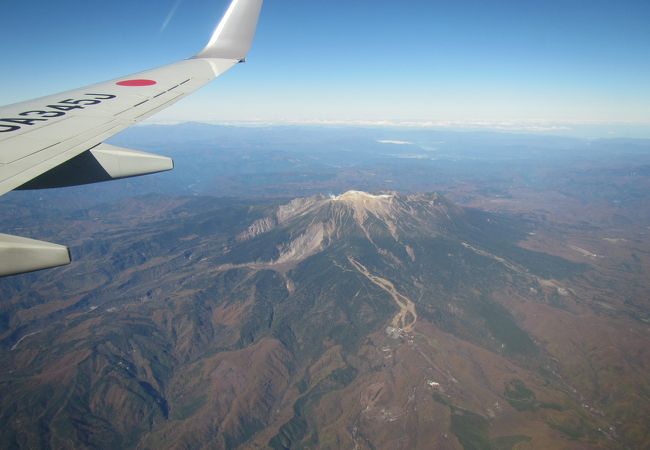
357	321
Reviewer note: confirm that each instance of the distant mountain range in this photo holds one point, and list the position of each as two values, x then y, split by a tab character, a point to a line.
360	321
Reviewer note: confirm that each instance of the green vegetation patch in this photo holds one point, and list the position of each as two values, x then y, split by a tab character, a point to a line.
504	328
509	442
523	399
542	264
471	430
189	408
519	396
438	397
575	429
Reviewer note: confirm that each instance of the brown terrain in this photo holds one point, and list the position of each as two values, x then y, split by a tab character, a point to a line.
359	321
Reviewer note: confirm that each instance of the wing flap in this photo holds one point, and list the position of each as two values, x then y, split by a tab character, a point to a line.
20	255
30	167
102	163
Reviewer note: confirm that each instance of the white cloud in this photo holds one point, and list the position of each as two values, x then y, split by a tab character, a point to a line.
388	141
585	129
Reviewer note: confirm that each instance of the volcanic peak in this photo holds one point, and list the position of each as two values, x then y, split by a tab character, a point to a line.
360	196
364	204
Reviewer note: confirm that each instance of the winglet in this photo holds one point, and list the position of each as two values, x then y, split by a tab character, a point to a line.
234	36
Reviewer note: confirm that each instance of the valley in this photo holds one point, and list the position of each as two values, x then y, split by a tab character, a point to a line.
321	329
406	318
477	303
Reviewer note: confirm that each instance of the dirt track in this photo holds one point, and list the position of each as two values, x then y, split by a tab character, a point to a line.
406	306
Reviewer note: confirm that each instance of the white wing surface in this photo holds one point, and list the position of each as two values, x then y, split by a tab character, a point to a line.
58	140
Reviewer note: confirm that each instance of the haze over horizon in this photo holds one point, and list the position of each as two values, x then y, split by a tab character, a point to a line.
403	225
534	67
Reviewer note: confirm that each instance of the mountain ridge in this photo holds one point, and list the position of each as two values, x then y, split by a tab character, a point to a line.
308	323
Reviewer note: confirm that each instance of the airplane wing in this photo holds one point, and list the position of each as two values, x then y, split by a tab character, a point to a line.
58	140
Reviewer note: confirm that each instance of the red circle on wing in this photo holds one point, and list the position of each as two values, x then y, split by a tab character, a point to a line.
136	83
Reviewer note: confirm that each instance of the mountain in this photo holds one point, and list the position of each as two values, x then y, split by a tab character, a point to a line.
367	321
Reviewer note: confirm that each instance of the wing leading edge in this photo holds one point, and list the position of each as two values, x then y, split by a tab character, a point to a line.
40	140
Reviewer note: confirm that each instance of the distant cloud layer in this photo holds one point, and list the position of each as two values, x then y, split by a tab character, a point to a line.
388	141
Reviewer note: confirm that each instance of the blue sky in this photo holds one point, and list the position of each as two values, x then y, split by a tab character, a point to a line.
409	61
